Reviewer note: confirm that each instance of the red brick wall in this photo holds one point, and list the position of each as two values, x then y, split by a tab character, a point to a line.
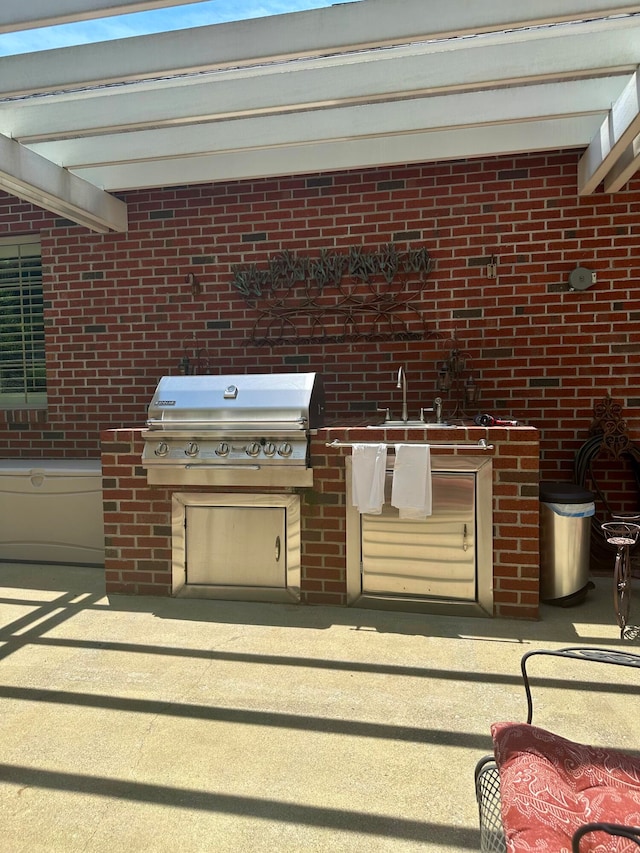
138	518
120	312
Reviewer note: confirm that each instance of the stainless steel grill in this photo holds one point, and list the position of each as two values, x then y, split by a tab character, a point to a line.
233	430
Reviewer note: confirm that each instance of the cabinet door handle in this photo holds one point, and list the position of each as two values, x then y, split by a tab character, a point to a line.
277	549
465	544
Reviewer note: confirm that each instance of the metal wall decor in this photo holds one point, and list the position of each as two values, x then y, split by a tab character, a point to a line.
359	296
456	378
610	441
611	426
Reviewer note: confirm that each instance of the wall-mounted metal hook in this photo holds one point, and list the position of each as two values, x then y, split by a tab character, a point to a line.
196	287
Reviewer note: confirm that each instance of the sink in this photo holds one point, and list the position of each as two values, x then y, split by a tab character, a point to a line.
406	425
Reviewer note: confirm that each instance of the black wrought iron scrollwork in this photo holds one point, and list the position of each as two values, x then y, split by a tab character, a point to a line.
608	422
337	297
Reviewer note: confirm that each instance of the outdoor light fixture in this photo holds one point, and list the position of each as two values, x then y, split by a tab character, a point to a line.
581	278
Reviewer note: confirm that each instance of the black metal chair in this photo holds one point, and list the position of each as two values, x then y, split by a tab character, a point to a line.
487	774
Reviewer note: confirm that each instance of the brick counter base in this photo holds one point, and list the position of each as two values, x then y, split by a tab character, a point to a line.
137	517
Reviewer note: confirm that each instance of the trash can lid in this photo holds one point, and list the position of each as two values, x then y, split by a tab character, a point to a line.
564	493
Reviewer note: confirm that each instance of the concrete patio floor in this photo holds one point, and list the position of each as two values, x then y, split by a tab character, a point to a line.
145	724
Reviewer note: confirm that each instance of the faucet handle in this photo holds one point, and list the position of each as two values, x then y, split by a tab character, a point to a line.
423	410
387	413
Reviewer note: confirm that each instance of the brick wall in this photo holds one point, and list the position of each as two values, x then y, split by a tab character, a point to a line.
120	311
138	518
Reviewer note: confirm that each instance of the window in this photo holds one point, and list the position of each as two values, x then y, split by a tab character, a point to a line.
22	365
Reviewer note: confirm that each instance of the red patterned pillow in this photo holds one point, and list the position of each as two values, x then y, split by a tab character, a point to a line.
550	786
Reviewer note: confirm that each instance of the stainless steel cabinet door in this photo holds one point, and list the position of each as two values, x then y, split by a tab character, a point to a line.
434	558
236	546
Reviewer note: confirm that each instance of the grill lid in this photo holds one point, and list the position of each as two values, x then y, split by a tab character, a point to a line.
269	401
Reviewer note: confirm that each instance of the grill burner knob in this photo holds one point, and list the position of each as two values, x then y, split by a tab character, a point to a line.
269	449
222	449
285	449
191	449
162	449
252	449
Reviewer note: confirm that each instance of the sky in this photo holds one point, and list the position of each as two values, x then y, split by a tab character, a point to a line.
142	23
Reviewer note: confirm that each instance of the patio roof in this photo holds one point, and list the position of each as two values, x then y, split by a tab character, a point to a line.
362	84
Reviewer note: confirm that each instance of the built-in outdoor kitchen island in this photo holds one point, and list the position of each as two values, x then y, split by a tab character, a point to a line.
140	519
367	224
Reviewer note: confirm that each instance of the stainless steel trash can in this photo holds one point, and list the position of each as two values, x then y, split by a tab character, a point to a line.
565	541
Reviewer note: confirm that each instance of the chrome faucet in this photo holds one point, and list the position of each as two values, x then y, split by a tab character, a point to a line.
402	383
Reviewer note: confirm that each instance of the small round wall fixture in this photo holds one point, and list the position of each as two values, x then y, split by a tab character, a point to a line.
581	278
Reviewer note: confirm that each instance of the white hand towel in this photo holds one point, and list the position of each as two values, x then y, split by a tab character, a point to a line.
369	466
411	487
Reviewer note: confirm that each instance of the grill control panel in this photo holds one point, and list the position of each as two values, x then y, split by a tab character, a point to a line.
180	451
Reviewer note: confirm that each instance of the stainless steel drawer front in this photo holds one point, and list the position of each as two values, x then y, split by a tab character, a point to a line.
432	558
442	564
236	546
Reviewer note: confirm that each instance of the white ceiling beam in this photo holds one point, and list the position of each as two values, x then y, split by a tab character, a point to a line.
362	78
29	14
259	132
624	168
347	154
39	13
341	28
29	176
616	133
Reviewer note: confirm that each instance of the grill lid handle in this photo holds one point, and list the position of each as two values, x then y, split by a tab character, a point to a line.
177	424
